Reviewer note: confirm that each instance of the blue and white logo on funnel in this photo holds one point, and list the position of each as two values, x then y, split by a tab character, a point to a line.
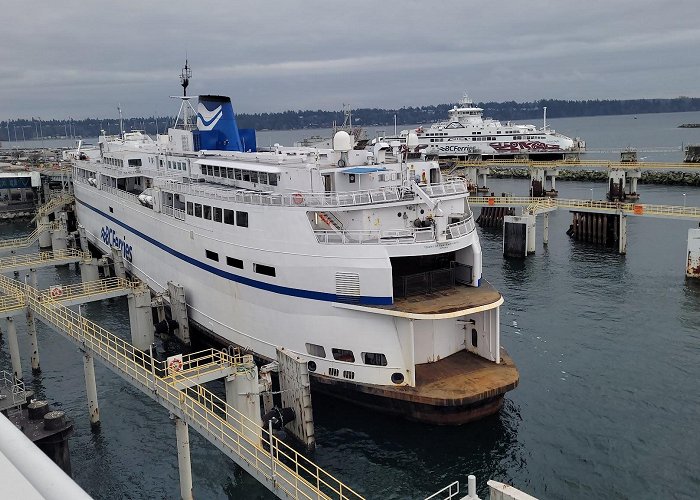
207	120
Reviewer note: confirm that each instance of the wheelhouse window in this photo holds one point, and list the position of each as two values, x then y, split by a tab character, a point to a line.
315	350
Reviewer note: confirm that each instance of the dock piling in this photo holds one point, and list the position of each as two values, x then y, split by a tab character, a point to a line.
44	236
183	457
13	345
242	394
178	311
118	259
91	388
545	229
141	318
33	341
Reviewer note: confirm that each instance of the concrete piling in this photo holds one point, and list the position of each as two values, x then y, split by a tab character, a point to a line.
45	236
118	259
13	345
183	457
178	310
242	389
141	318
89	270
33	341
518	235
91	389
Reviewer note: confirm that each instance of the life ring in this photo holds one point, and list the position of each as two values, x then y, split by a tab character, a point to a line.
298	198
341	163
175	365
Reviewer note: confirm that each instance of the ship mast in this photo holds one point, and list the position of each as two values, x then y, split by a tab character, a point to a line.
185	106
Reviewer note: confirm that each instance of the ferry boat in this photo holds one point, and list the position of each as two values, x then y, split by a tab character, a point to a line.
466	133
365	263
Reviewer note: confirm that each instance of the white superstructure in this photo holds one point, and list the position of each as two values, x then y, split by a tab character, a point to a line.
466	132
335	254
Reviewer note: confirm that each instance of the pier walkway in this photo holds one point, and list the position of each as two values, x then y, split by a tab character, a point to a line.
56	202
542	205
26	241
42	259
580	164
281	469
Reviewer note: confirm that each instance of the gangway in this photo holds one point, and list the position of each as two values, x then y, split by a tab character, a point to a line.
540	205
42	259
280	468
90	291
55	203
26	241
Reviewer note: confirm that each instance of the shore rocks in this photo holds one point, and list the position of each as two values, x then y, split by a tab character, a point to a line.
648	177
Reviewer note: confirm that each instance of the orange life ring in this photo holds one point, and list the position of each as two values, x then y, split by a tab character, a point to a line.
298	198
175	365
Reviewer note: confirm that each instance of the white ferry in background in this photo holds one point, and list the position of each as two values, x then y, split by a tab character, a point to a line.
466	132
365	263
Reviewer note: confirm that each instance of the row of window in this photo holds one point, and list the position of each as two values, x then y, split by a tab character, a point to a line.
177	165
368	358
238	264
231	217
240	175
115	162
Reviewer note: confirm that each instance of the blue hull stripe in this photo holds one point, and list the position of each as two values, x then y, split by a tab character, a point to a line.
269	287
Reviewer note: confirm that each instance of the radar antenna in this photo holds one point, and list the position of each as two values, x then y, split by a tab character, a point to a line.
185	78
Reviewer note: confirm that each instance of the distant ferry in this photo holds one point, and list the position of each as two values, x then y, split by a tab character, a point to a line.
365	263
466	133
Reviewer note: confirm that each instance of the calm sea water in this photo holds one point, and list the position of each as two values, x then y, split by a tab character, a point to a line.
608	348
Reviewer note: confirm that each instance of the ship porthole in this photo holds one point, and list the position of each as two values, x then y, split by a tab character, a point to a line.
311	365
397	378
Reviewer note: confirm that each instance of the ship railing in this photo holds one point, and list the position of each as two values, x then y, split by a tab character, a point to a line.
174	212
122	194
452	186
375	236
460	228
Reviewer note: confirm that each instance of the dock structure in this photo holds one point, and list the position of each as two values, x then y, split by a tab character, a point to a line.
599	222
177	387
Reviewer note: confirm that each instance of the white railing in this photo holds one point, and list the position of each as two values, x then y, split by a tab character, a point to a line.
456	186
461	228
174	212
375	236
121	194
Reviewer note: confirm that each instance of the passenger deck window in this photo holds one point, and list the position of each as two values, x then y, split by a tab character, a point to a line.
229	217
237	263
242	219
316	350
264	270
374	358
343	355
212	255
217	214
190	208
197	210
207	212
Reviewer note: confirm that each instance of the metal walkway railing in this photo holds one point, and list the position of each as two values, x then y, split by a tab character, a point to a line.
280	468
57	201
581	164
536	205
90	290
41	259
26	241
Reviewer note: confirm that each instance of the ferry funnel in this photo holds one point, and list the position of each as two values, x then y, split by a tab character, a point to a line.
216	124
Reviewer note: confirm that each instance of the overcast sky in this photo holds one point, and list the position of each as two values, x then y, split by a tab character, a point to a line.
80	58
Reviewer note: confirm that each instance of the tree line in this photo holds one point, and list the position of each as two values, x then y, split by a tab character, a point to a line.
32	129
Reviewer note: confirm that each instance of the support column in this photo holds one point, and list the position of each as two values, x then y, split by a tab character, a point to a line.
622	249
82	234
178	310
14	349
91	388
33	341
242	390
118	260
59	237
89	270
545	227
33	279
183	457
141	318
45	235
